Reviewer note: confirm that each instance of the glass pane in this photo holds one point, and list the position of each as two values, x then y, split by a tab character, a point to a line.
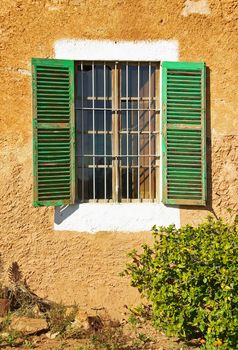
130	173
144	183
144	121
153	81
87	90
88	183
109	182
87	121
108	120
124	182
99	120
88	144
153	183
152	121
123	120
99	160
133	183
99	144
109	144
123	80
78	121
133	80
133	120
99	184
132	144
86	161
99	81
144	80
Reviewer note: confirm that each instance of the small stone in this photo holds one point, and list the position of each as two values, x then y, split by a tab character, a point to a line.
50	335
28	325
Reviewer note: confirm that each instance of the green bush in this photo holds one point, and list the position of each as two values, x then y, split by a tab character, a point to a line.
190	277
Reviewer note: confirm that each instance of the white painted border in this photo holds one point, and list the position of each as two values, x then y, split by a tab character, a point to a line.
123	217
108	50
126	217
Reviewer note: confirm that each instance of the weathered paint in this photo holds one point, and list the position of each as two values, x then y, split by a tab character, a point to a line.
53	142
144	50
184	133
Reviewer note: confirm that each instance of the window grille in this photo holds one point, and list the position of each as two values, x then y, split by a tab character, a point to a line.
117	131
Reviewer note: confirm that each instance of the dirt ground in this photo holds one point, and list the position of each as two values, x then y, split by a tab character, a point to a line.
79	267
132	338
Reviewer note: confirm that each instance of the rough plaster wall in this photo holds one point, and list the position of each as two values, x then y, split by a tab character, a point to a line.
70	266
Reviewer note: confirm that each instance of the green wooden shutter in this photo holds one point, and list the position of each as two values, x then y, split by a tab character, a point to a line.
183	133
53	132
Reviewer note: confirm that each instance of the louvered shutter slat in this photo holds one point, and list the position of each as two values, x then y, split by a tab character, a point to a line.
54	135
183	139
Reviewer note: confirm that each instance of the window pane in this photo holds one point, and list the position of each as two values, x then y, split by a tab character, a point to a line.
88	183
137	125
144	183
109	182
109	144
99	144
144	80
99	184
88	144
86	89
92	129
99	120
130	141
99	81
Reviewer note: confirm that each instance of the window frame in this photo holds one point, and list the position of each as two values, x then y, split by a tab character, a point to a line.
116	129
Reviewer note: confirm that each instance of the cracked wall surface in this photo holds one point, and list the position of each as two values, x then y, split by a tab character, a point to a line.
68	266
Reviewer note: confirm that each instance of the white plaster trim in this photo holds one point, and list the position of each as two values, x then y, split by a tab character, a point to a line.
131	217
123	217
106	50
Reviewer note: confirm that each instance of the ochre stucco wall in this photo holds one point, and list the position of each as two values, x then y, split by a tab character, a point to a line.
72	266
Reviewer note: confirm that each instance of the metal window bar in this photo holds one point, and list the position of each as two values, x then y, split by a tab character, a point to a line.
82	137
138	115
93	93
104	117
121	109
115	97
150	130
127	136
116	153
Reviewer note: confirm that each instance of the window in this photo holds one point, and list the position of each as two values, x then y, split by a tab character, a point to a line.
97	132
116	131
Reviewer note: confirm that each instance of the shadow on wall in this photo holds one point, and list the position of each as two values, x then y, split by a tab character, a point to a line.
62	213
